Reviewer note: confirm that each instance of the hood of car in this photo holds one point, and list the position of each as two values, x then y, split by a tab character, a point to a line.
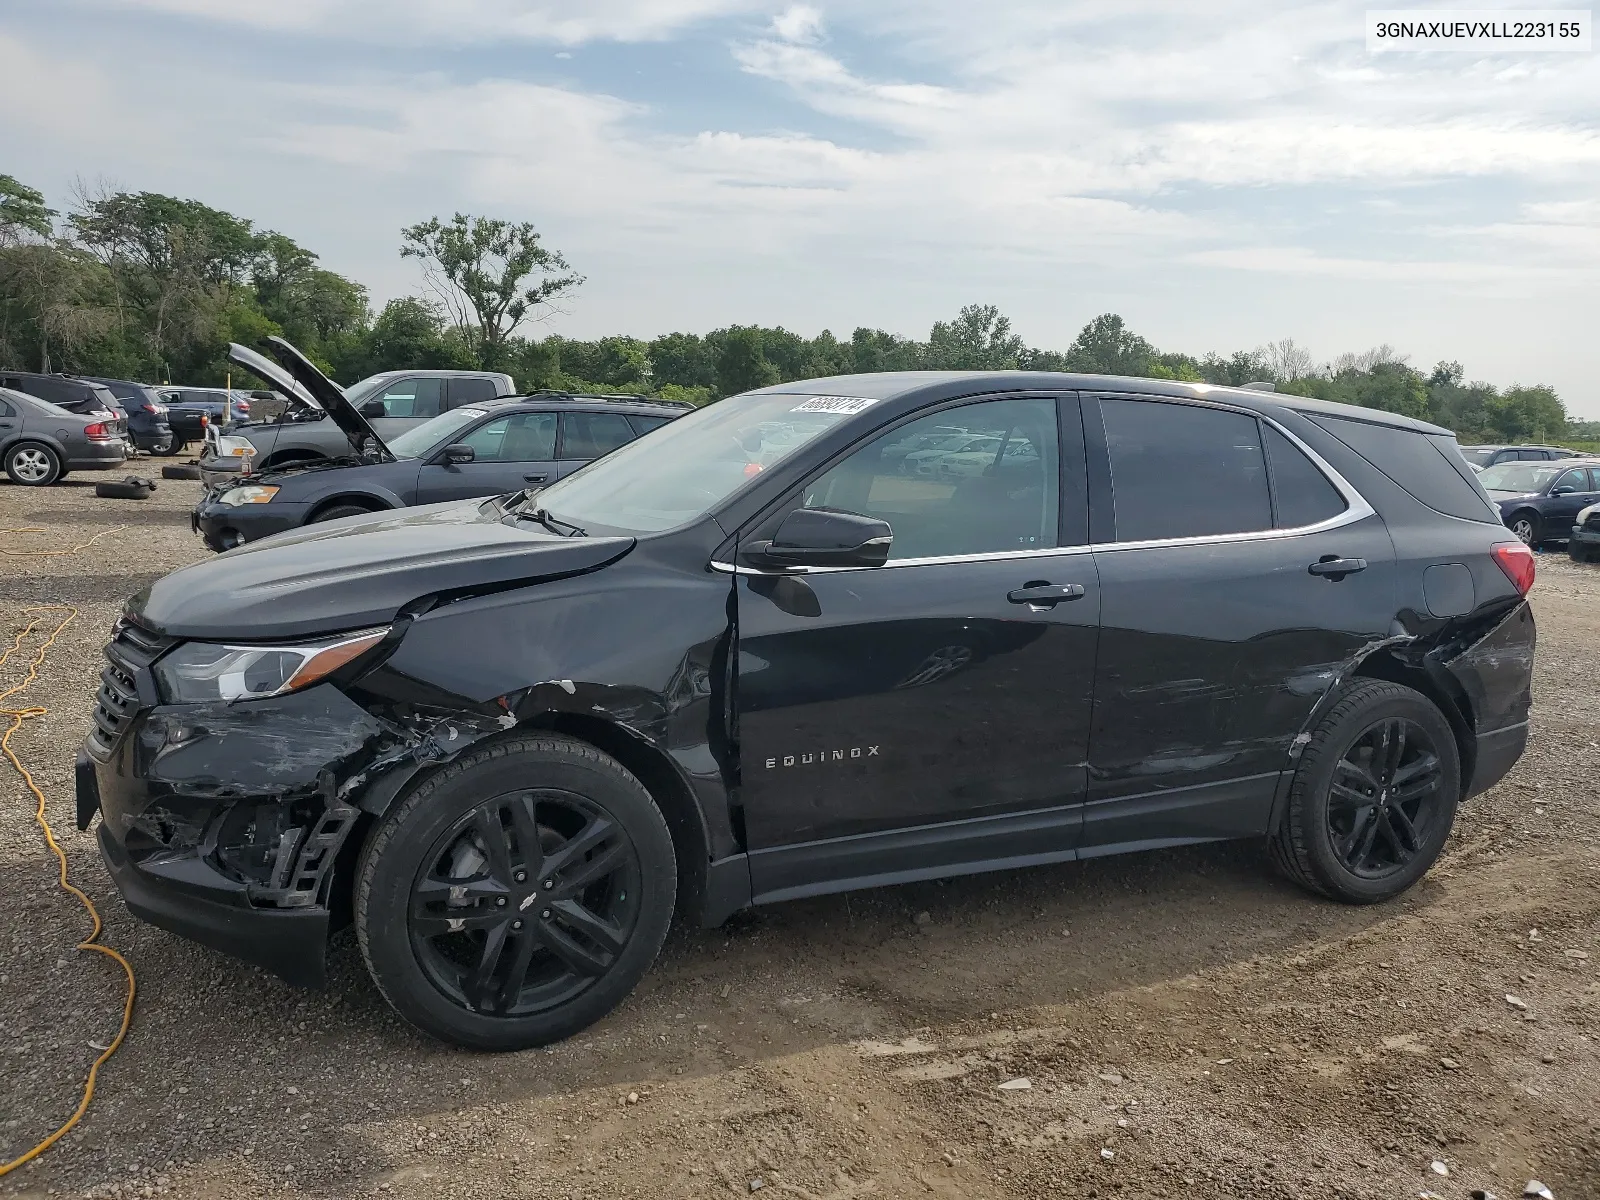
298	377
360	572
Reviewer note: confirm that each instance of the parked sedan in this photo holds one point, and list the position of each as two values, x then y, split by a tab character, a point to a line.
1540	501
40	442
486	449
85	397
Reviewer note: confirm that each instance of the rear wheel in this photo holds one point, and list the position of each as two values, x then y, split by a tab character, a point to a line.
33	464
1373	797
517	896
1526	526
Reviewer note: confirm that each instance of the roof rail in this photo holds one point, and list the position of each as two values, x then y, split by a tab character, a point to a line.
614	397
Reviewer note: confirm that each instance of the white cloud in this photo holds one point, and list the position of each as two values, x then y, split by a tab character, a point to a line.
798	23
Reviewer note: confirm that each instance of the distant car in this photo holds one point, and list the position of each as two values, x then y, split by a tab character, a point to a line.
84	397
1584	544
391	402
490	448
1540	500
1482	457
192	410
148	428
40	442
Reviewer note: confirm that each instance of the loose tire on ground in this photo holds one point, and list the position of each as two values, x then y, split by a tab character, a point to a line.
425	910
1316	844
131	488
180	471
33	464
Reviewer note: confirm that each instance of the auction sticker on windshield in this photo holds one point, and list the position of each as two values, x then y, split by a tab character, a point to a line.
846	406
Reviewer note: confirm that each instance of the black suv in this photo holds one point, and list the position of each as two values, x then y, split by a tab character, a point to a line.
85	397
483	449
748	658
1492	456
148	428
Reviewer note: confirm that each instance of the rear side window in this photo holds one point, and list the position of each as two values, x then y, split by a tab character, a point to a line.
1413	461
588	435
645	424
471	391
6	410
1304	494
1182	471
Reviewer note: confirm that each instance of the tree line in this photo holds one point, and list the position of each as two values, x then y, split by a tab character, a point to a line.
145	286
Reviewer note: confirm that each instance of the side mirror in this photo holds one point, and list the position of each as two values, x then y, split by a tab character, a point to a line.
373	408
459	452
825	537
1563	490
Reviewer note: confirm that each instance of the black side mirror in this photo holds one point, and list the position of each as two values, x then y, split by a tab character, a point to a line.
1563	490
373	408
825	537
459	452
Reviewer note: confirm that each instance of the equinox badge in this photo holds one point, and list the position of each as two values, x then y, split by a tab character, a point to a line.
821	756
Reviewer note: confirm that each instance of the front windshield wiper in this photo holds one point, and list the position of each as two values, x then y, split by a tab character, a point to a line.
553	524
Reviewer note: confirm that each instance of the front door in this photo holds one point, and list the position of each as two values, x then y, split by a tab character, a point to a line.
1569	495
1223	614
509	453
906	717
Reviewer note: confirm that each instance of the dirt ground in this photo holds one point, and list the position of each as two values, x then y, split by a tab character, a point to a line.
1189	1024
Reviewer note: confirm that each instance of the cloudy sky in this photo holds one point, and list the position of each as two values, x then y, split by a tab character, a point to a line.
1222	175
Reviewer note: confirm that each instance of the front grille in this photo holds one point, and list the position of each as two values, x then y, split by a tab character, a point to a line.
130	652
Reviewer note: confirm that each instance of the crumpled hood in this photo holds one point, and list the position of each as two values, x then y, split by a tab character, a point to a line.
359	572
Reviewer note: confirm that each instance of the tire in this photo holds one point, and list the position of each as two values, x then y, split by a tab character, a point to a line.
424	960
131	488
1579	553
1317	845
33	464
180	471
334	511
1525	524
174	446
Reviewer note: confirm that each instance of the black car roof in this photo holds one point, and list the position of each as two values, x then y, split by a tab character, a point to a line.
536	401
902	385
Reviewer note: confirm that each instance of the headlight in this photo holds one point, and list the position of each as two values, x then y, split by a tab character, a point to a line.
1585	514
256	493
235	447
202	672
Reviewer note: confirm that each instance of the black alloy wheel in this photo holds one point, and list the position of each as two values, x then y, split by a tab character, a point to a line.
1384	798
524	902
516	895
1374	794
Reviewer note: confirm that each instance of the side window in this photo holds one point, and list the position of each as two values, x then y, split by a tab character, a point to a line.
1575	479
588	435
1533	456
991	485
6	410
1303	493
1594	479
1178	470
643	425
470	391
411	398
525	437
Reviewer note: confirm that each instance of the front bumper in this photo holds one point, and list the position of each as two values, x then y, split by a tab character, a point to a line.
1584	536
224	526
224	823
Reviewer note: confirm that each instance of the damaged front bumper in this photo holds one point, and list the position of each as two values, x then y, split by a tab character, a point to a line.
223	823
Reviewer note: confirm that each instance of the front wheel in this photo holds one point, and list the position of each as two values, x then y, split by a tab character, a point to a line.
171	448
1373	797
1526	526
518	895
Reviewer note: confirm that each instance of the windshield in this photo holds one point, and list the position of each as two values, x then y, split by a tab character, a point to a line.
1478	456
689	466
1520	476
419	439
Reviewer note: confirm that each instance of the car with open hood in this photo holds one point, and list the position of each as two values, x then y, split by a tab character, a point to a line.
748	659
491	447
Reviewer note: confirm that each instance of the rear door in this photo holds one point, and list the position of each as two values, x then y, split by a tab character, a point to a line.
1237	573
924	714
509	453
585	436
407	402
469	390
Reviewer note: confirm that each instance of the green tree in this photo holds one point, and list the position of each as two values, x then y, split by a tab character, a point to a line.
682	360
491	275
22	212
741	363
1106	346
876	350
979	339
1528	413
409	332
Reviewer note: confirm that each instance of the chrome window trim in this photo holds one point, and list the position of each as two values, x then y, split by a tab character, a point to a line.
1357	509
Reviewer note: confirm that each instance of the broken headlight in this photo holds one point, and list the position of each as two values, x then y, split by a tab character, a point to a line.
201	672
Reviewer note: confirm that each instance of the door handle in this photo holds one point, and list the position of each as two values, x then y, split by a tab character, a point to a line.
1046	594
1334	567
536	478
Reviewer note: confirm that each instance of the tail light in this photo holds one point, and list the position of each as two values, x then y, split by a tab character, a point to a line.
1516	560
97	431
149	408
204	420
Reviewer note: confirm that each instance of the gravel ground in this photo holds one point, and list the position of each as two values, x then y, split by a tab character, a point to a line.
1189	1025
